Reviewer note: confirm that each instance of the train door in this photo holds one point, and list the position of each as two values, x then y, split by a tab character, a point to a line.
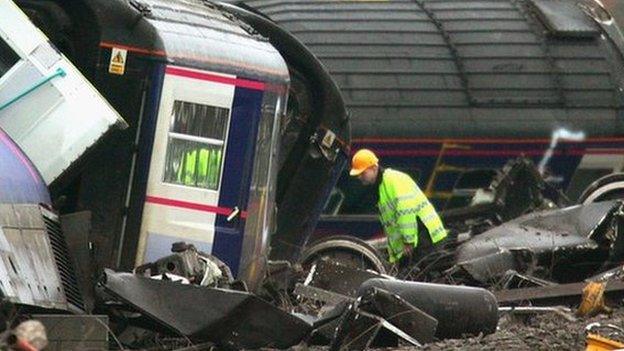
201	162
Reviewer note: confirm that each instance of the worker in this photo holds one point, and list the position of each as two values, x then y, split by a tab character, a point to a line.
200	168
410	221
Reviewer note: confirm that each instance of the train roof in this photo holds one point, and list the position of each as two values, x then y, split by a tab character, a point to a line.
189	32
463	67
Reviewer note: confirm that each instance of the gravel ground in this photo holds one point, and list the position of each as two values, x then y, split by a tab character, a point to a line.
548	331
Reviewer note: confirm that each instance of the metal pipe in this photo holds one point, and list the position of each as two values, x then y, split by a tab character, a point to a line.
59	73
459	310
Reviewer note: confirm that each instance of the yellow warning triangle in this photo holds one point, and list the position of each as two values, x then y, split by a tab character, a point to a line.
118	58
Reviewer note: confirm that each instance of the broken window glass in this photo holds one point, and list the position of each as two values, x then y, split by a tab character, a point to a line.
195	148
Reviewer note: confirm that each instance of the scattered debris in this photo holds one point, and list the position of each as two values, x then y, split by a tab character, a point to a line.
400	313
325	327
356	331
514	280
616	273
564	244
360	325
339	278
321	295
229	318
198	267
593	300
518	189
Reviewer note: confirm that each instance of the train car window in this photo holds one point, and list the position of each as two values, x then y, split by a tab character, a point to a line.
195	148
8	57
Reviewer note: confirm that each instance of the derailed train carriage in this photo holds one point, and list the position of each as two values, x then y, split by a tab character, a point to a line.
441	88
235	134
450	91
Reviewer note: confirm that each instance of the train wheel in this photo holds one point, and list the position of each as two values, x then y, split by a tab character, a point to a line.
610	187
346	250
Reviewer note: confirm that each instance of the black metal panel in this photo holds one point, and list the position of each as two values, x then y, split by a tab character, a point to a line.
77	231
558	238
63	260
232	319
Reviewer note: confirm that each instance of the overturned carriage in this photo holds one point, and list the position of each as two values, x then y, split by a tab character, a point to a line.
235	132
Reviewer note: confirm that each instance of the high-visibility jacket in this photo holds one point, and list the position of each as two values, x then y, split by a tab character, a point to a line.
401	204
200	168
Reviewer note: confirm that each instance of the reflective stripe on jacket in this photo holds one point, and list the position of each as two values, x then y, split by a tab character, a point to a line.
401	203
200	168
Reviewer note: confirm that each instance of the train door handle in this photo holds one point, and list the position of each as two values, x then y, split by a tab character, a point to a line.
233	214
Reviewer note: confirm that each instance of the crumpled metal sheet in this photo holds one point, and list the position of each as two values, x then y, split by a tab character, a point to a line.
379	318
520	241
339	278
231	319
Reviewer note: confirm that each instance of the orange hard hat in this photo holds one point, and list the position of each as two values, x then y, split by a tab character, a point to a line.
362	160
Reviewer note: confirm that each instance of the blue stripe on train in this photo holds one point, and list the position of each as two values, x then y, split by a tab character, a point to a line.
144	158
236	178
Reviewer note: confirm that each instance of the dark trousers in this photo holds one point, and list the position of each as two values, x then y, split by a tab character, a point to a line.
424	248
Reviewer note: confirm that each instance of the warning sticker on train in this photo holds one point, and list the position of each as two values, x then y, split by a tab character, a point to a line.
117	61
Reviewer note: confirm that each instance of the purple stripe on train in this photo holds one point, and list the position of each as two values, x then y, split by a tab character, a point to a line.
20	182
